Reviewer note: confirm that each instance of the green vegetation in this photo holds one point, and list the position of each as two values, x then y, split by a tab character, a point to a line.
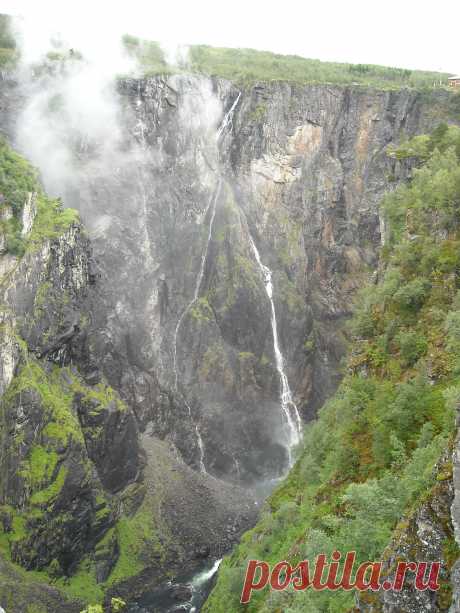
51	222
8	53
116	606
56	399
44	472
244	65
201	310
148	54
50	493
41	470
370	456
249	65
18	179
82	584
139	547
102	393
136	540
42	464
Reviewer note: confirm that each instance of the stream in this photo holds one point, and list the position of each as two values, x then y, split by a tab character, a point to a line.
187	592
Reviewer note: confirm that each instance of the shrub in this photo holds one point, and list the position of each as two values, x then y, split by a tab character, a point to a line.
412	295
412	346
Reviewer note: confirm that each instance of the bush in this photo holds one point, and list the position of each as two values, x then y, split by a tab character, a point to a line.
412	346
363	325
412	295
117	605
15	245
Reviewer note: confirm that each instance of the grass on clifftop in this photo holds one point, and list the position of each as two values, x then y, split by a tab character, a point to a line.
369	457
250	65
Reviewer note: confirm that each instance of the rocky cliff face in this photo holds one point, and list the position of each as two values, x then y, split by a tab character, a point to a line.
164	332
55	493
302	169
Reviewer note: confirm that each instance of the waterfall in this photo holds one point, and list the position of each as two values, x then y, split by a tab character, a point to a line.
141	126
212	203
224	126
288	406
201	448
205	252
200	581
205	575
199	279
227	121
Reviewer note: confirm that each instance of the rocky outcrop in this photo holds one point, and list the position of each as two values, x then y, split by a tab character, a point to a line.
19	593
73	491
426	535
55	495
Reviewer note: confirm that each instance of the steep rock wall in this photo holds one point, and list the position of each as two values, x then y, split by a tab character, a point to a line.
303	170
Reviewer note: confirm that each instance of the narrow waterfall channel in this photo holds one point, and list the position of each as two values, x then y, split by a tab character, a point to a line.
212	204
228	118
224	126
288	406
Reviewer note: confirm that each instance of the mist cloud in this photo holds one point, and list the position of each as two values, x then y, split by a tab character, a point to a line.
74	127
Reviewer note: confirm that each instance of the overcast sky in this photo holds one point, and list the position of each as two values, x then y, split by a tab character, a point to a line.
405	33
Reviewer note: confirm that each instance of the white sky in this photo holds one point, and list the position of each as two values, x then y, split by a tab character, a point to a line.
406	33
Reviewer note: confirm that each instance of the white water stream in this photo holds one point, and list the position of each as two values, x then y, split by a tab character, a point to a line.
202	578
288	406
213	202
289	409
224	126
199	280
227	122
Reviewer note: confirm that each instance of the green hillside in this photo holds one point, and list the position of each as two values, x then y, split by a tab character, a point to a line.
370	455
248	65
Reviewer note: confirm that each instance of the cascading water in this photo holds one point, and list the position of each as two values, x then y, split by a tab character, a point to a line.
189	589
224	126
199	280
288	406
228	119
200	581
